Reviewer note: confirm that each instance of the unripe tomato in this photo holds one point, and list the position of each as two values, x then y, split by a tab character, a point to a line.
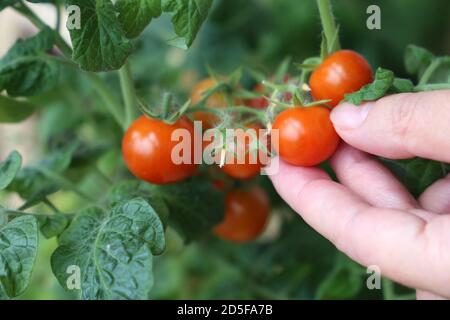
306	135
147	150
253	159
246	215
342	72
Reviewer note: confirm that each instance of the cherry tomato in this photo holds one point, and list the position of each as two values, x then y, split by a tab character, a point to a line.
260	102
306	135
216	100
147	150
245	163
342	72
246	215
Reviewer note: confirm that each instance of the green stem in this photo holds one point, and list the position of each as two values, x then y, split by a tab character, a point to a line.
108	182
58	17
328	25
432	86
166	103
60	42
66	184
50	205
429	72
110	103
129	94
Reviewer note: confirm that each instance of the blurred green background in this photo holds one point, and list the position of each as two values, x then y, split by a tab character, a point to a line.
291	260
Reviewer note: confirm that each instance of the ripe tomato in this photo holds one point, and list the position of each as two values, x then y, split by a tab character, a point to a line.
342	72
216	100
261	102
306	135
246	215
243	162
147	148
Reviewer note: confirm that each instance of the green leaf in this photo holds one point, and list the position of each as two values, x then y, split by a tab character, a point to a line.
53	225
195	207
9	169
12	110
100	44
343	282
402	85
26	69
129	189
30	183
135	15
378	88
417	59
417	174
114	250
187	18
18	251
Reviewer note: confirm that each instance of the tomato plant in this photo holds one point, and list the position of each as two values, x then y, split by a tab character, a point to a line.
92	197
147	150
246	215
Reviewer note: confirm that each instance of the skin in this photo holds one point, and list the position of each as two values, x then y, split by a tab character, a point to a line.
246	214
342	72
383	225
306	135
147	148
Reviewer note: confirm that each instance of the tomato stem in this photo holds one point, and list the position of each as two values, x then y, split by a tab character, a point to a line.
65	183
429	72
166	104
432	86
111	104
128	93
328	25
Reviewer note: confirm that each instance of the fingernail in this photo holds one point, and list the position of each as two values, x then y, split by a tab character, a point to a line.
349	116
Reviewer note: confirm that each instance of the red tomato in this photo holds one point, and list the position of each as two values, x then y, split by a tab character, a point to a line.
147	148
246	215
342	72
252	162
217	100
306	135
261	102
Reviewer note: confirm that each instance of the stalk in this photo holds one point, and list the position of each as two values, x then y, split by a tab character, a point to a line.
129	94
328	25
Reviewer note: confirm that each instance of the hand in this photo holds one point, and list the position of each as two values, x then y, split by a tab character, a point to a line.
370	216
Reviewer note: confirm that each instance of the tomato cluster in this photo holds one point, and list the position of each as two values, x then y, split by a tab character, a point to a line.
306	137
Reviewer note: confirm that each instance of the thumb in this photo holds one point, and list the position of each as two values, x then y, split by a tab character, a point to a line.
398	126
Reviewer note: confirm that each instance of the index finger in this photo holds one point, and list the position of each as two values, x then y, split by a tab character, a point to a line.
398	126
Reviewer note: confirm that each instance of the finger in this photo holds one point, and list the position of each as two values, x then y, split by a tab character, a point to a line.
425	295
404	246
369	179
437	196
398	126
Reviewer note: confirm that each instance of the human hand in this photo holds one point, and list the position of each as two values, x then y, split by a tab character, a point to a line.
370	215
